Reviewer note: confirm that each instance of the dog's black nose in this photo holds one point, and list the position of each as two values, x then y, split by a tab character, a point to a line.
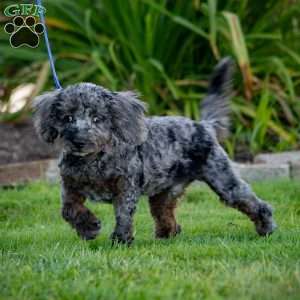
70	133
73	136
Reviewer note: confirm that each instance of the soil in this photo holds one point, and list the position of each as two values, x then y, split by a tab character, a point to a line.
20	143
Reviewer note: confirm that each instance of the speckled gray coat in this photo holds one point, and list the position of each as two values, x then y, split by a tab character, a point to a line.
111	152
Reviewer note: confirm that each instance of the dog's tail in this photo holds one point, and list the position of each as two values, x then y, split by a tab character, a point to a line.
215	108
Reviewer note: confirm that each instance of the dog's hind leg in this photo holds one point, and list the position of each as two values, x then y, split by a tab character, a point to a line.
217	172
78	216
162	207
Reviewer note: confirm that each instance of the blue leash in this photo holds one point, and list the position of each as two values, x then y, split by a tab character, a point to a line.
51	59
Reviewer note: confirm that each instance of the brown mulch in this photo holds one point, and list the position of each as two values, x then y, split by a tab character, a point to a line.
20	143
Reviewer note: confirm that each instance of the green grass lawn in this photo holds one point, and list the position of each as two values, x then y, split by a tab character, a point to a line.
217	256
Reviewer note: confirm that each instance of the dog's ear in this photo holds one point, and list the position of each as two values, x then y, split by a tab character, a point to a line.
128	117
44	118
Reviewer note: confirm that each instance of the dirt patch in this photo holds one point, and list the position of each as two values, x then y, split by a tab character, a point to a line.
20	143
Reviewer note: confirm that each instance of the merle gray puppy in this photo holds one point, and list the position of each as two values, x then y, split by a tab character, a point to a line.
111	152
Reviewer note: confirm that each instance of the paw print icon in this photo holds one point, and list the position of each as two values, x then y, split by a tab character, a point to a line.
24	32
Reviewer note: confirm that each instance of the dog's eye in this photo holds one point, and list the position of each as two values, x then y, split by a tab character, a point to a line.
68	119
97	119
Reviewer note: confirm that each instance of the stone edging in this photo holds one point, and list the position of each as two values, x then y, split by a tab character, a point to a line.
20	173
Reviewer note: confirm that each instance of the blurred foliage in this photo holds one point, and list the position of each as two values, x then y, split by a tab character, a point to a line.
167	49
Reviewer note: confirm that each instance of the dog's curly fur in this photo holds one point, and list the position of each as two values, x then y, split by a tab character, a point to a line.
113	153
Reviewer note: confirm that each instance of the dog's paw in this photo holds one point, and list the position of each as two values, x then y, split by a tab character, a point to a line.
87	226
121	238
265	228
165	233
178	229
264	223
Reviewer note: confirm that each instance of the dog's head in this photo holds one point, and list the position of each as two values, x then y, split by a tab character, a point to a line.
88	118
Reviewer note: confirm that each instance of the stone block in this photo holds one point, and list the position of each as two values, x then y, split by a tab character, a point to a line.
20	173
295	170
260	172
278	158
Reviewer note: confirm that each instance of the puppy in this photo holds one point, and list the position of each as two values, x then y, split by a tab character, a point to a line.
112	153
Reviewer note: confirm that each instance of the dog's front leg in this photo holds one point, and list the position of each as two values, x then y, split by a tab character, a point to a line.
124	206
78	216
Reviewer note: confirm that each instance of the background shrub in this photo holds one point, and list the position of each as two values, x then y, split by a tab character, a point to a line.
167	49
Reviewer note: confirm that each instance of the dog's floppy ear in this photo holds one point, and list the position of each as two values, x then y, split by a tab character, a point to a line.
128	117
44	118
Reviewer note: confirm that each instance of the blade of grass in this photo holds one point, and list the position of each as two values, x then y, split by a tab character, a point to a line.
104	69
177	19
212	9
240	50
